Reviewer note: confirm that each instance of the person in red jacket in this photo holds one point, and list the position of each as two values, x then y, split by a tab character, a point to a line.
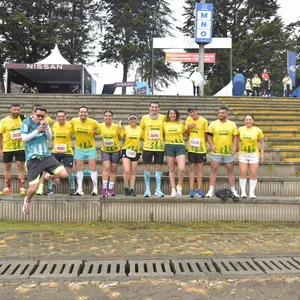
265	82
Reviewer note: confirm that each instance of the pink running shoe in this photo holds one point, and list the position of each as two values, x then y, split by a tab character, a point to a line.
26	207
111	192
104	193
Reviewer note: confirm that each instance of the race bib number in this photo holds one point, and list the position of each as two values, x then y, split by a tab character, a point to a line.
194	142
61	148
15	135
130	153
153	135
108	143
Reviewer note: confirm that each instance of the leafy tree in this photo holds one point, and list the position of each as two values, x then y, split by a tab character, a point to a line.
129	30
258	37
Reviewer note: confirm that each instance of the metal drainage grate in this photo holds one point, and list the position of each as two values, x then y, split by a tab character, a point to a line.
104	268
150	268
58	269
234	266
192	266
278	265
17	269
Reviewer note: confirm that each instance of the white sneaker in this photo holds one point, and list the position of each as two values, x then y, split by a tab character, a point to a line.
244	195
94	192
174	193
179	191
79	192
26	207
210	193
235	194
252	196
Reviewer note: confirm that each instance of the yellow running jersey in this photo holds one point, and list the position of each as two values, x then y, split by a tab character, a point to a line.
10	129
110	137
62	141
85	132
174	133
132	138
249	139
197	140
153	132
222	136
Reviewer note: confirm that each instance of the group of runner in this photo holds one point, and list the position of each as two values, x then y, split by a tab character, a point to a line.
163	136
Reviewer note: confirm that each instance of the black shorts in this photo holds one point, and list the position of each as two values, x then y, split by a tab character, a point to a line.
66	159
158	157
8	156
136	158
36	166
196	158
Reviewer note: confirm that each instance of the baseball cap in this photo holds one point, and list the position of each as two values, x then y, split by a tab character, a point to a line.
132	117
192	107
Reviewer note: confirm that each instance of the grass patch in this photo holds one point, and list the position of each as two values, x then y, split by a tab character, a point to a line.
217	226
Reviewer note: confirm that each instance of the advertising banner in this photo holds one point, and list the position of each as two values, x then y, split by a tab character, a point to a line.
189	57
291	65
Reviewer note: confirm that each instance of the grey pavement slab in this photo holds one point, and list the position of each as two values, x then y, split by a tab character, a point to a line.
150	268
17	269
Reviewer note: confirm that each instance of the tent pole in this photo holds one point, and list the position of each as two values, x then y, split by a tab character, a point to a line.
6	81
82	80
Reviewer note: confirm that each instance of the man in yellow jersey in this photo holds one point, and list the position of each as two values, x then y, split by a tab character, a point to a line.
153	125
85	148
222	139
62	148
11	145
196	131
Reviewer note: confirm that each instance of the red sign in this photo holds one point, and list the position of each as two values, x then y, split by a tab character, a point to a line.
189	57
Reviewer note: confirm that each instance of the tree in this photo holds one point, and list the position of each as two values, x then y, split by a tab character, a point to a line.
258	38
129	30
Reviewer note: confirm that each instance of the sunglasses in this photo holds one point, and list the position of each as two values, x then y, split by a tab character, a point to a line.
40	116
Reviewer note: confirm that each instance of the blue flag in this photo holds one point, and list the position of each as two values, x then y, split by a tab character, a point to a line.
291	65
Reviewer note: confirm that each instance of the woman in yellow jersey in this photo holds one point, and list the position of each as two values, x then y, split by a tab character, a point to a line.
250	154
110	153
131	152
175	150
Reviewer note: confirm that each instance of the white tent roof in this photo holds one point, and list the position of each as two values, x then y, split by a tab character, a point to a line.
54	58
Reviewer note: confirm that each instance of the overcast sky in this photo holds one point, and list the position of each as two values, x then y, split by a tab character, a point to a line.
289	11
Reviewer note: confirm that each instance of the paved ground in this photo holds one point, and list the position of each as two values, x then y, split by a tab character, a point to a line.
151	244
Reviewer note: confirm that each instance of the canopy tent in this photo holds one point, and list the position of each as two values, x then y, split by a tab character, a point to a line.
54	71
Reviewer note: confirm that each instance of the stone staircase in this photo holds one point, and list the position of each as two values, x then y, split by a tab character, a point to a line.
276	117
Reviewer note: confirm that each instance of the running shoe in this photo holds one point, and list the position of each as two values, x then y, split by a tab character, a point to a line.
126	191
6	191
252	196
173	193
72	192
79	192
147	194
192	193
39	192
26	207
244	195
104	193
132	193
94	192
200	194
51	178
111	192
179	191
235	194
159	193
22	191
48	192
210	193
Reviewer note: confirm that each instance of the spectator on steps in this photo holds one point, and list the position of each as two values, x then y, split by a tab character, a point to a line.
85	129
222	139
265	82
287	85
196	131
250	154
110	153
256	83
153	126
11	145
175	150
248	87
131	152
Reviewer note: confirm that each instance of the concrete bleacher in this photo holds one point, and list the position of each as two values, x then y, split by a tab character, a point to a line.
278	175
